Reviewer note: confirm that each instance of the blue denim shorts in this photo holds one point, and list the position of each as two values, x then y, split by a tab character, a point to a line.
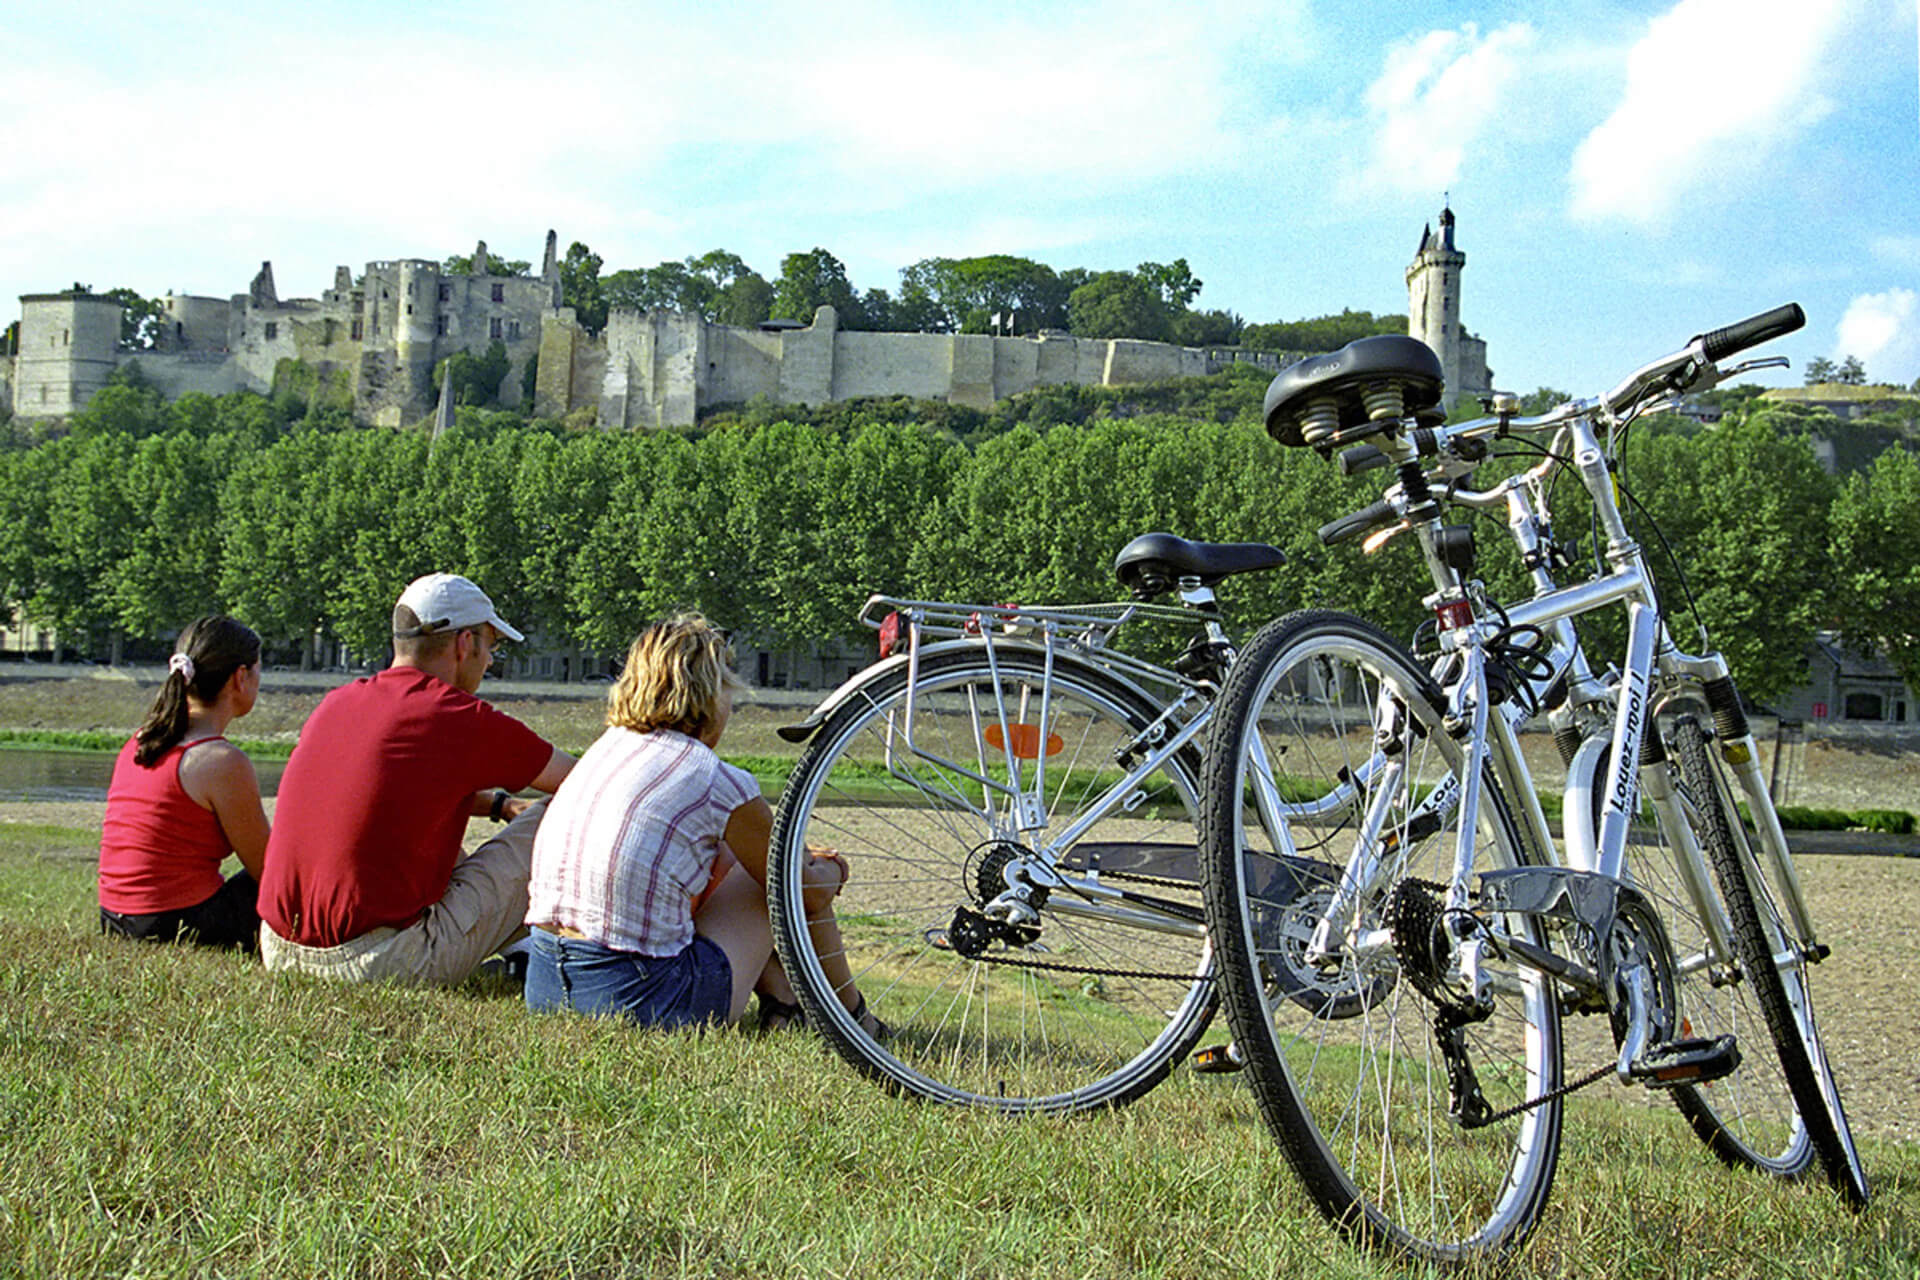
689	989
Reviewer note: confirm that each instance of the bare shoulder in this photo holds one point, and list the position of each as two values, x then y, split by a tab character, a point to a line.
213	764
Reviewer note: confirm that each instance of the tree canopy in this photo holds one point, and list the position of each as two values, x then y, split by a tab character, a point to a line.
1321	333
779	521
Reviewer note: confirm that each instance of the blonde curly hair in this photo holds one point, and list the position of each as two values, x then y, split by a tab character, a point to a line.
676	671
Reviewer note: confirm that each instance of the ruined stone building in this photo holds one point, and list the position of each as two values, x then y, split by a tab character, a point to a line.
377	338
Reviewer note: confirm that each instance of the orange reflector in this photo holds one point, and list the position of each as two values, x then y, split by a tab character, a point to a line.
1026	740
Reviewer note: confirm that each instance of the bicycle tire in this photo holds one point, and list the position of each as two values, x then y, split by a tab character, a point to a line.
1782	990
1747	1119
1357	1096
997	1029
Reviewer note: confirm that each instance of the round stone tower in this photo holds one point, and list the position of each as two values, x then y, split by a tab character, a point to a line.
1433	299
417	334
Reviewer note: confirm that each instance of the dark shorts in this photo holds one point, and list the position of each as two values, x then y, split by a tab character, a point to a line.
689	989
230	918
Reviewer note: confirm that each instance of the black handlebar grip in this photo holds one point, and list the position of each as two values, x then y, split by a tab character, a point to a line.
1752	331
1362	457
1351	526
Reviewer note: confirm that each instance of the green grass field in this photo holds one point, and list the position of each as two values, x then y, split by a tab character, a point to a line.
167	1112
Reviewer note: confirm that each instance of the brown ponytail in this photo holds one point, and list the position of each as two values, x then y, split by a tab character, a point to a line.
217	646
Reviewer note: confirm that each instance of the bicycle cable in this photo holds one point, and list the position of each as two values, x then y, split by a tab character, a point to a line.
1666	548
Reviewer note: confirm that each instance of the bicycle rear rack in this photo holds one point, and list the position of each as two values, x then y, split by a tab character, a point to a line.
1080	632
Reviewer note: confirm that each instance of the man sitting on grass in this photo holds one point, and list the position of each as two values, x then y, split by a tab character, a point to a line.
364	879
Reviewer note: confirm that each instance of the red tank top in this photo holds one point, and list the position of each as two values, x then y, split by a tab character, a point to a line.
159	851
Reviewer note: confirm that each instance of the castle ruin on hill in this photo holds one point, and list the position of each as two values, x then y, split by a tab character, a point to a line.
377	338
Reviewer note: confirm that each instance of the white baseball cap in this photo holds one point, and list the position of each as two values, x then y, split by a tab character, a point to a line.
446	602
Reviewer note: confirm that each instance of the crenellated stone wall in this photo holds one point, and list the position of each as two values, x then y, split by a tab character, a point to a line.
665	368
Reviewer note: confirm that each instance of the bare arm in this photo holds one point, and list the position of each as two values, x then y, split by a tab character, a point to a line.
748	829
559	764
220	777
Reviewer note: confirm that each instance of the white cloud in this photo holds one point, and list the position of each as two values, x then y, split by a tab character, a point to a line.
1435	99
1883	330
1714	90
627	125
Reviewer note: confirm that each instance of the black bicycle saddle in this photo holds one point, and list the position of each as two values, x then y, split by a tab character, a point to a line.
1153	563
1362	389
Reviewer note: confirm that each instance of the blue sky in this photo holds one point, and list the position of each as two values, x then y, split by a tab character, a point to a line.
1624	174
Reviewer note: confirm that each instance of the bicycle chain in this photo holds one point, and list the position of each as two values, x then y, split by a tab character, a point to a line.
1421	916
1053	967
1159	882
1592	1077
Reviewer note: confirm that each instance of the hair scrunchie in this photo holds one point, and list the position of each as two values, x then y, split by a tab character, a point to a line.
183	664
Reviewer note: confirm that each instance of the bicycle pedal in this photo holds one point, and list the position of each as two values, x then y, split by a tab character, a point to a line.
1217	1060
1694	1061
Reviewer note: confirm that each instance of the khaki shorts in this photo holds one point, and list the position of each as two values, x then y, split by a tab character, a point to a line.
484	908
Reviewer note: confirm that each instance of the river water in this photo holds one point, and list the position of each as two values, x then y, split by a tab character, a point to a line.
34	774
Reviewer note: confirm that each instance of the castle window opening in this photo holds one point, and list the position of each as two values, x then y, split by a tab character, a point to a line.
499	293
493	327
273	330
513	330
357	328
440	326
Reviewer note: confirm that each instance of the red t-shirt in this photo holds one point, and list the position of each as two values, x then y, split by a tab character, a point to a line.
159	851
375	799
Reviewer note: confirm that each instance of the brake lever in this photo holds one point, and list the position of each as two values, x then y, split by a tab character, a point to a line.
1382	536
1748	366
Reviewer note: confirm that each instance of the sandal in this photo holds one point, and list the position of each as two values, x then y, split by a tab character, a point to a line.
780	1015
870	1021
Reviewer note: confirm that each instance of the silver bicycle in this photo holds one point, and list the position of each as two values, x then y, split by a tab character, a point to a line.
1406	957
1017	800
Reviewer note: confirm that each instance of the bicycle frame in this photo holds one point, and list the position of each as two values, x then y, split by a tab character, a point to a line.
1012	803
1653	675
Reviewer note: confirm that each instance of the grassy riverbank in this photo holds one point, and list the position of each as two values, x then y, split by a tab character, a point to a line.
167	1112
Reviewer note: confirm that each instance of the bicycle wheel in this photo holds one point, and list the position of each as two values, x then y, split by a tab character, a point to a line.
1087	1004
1336	725
1748	1119
1771	963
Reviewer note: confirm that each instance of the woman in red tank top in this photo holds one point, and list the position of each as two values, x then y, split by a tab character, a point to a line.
183	797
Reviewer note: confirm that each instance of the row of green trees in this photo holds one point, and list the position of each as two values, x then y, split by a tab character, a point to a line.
147	514
999	292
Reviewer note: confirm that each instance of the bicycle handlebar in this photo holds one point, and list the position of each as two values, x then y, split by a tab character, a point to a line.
1752	331
1683	369
1361	457
1467	441
1355	523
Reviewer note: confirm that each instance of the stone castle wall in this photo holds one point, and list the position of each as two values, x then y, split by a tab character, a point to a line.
664	368
381	335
